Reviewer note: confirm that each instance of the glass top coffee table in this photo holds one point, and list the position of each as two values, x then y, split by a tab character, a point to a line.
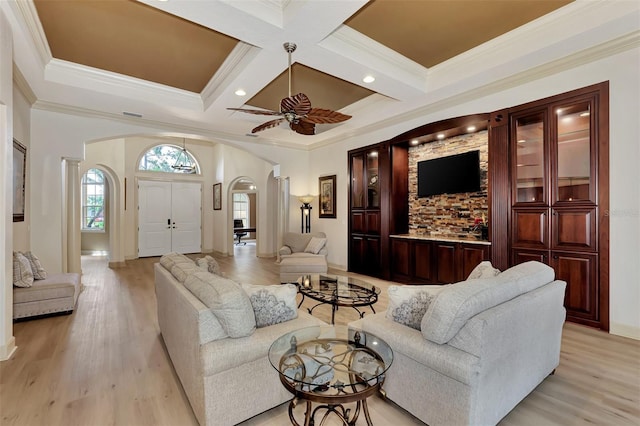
337	290
331	366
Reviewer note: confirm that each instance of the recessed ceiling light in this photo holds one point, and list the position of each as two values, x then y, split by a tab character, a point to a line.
415	142
471	129
369	79
240	92
440	136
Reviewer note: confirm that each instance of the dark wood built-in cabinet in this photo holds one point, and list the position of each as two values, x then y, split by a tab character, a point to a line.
557	184
378	205
427	261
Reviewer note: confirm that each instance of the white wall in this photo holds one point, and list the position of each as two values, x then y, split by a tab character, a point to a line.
623	71
21	132
7	341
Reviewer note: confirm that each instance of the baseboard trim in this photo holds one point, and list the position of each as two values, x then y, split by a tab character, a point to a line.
624	331
7	351
338	267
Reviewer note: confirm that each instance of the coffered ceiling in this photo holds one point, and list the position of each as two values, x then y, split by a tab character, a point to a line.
177	64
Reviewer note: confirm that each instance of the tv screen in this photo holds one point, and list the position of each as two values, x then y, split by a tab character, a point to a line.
449	175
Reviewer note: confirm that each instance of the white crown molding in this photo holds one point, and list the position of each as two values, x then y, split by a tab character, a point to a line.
29	14
214	136
111	83
595	53
239	58
349	43
23	86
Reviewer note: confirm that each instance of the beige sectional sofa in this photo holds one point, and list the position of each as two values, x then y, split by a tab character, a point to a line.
482	346
226	379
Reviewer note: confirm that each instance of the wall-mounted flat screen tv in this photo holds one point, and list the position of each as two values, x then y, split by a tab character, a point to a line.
449	175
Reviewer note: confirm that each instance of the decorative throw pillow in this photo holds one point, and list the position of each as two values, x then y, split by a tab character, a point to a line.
209	264
484	270
408	304
315	245
272	304
36	267
22	274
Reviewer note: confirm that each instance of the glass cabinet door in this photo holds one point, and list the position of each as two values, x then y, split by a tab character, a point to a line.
357	181
529	158
573	153
373	181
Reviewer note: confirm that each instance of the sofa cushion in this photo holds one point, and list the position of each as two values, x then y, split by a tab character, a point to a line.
484	270
182	269
408	303
36	267
169	260
456	303
228	302
22	274
57	286
315	245
272	304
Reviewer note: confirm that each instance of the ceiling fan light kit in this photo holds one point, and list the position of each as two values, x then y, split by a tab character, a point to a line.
296	110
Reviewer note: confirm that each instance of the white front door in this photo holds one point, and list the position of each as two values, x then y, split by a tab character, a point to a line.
169	217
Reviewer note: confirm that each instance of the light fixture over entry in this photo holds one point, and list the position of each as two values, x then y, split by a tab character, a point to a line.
183	160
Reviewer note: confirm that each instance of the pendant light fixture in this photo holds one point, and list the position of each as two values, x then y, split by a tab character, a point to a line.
183	160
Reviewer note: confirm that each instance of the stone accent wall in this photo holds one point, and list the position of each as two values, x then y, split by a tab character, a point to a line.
448	215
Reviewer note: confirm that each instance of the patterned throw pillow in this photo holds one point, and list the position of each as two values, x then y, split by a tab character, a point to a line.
483	270
272	304
315	245
409	303
36	267
22	274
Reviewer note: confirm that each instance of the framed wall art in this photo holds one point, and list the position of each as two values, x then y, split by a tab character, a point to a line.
327	197
19	176
217	196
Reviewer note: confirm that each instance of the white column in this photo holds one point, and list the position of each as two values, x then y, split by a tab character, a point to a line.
73	215
283	211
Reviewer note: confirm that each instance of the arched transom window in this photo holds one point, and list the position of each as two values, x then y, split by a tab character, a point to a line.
165	158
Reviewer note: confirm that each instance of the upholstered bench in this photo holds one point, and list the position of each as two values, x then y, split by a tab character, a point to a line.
56	293
291	268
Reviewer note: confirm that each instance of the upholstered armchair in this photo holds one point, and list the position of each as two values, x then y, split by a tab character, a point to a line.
296	244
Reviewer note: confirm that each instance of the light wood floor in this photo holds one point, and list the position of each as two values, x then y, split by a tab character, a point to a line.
106	365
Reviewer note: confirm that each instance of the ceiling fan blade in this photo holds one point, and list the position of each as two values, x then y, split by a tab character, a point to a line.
256	111
303	127
268	125
300	104
325	116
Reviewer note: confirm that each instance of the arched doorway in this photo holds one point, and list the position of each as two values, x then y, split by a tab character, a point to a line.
243	213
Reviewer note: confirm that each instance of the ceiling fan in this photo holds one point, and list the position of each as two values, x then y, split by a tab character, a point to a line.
296	110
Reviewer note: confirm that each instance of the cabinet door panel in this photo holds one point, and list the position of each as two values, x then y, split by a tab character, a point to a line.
357	181
574	229
371	262
530	228
524	255
423	270
471	255
446	263
580	273
400	258
373	223
356	254
358	222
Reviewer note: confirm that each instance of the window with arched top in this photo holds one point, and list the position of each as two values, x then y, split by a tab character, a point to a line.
93	200
169	159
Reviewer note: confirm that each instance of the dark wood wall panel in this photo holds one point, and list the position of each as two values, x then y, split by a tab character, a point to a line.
499	189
